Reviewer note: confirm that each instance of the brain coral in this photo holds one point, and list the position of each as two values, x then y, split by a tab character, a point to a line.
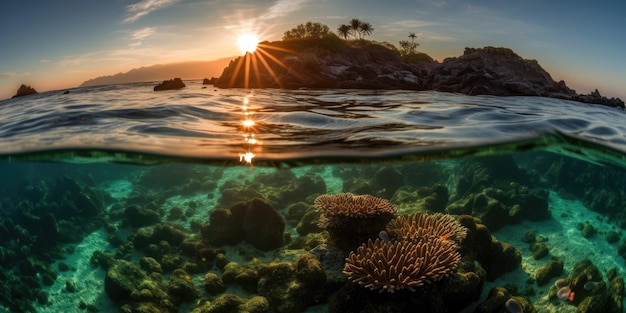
395	265
340	208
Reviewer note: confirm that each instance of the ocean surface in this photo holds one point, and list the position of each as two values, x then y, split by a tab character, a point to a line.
119	198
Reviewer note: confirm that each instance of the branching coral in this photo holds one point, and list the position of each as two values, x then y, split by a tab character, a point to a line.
424	251
395	265
417	226
339	209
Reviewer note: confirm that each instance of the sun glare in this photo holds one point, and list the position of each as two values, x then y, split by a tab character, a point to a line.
247	43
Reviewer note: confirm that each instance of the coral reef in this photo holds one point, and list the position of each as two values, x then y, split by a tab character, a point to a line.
588	291
352	219
424	251
414	227
396	265
342	209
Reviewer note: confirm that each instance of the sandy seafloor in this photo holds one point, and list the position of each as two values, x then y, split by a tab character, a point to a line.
564	241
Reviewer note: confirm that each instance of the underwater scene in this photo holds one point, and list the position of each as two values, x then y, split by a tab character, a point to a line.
325	201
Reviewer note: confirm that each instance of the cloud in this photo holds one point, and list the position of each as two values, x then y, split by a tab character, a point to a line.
76	60
9	74
282	8
435	37
139	9
409	24
141	34
45	61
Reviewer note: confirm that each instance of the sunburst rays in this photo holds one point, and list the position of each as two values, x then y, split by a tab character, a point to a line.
253	66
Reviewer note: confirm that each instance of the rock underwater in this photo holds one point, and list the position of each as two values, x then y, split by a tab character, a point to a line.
479	71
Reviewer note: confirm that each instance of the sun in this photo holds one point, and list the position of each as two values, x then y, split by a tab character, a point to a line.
247	43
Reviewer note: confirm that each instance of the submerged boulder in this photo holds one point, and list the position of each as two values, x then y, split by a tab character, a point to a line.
255	221
262	226
138	216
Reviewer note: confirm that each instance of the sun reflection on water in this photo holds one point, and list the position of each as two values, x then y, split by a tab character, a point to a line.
251	145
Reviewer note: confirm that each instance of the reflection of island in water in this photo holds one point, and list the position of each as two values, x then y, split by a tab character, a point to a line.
368	65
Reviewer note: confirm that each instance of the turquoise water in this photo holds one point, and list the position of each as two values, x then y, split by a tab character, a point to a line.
204	200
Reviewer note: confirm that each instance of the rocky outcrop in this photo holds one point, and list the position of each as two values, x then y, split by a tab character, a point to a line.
370	66
482	71
171	84
25	91
501	72
207	81
494	71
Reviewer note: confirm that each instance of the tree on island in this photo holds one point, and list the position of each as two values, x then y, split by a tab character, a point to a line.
408	51
355	27
344	31
308	30
366	29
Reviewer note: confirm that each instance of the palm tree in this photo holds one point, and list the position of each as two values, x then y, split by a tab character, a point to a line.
344	31
412	36
355	24
366	29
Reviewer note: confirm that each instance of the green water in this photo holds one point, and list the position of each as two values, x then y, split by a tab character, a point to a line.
111	230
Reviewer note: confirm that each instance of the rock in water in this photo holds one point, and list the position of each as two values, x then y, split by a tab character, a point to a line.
24	91
171	84
263	227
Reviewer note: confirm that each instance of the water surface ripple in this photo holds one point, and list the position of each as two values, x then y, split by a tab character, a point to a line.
208	123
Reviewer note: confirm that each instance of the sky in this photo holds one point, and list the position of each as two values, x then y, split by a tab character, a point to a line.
59	44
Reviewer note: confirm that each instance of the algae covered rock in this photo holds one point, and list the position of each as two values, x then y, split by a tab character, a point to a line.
230	303
255	221
552	269
124	280
501	300
256	304
162	233
262	226
539	250
213	284
138	216
494	256
293	287
181	287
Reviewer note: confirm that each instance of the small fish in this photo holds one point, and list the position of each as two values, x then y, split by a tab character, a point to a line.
384	236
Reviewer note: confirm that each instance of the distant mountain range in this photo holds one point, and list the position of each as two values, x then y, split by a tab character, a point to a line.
159	72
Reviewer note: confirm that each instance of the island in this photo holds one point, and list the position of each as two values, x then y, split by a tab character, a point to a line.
25	91
323	60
